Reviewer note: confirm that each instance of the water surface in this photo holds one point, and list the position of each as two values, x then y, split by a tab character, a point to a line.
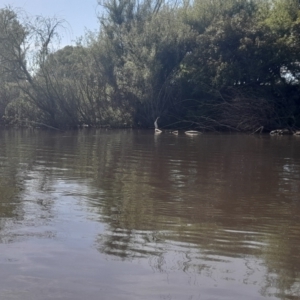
124	214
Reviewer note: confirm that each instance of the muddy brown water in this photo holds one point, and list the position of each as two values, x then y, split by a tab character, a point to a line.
126	214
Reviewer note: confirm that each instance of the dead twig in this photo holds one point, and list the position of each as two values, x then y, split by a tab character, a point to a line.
260	129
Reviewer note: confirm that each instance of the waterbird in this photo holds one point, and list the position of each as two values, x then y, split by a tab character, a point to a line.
175	132
192	132
279	132
157	130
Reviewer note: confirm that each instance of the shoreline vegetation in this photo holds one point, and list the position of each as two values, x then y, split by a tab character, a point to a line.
208	65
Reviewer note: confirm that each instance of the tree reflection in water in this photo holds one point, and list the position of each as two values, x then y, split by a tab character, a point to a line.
218	208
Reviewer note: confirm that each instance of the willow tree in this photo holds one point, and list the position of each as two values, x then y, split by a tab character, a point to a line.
12	36
25	44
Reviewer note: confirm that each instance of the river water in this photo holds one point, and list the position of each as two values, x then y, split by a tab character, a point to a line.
126	214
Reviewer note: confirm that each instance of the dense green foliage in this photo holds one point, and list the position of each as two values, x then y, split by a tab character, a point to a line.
209	64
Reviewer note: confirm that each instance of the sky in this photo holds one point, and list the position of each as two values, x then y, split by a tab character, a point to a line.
78	14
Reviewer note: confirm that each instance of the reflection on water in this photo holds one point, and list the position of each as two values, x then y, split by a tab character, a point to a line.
130	215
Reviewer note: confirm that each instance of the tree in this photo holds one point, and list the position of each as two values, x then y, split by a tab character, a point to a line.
209	63
12	35
236	70
144	45
23	61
